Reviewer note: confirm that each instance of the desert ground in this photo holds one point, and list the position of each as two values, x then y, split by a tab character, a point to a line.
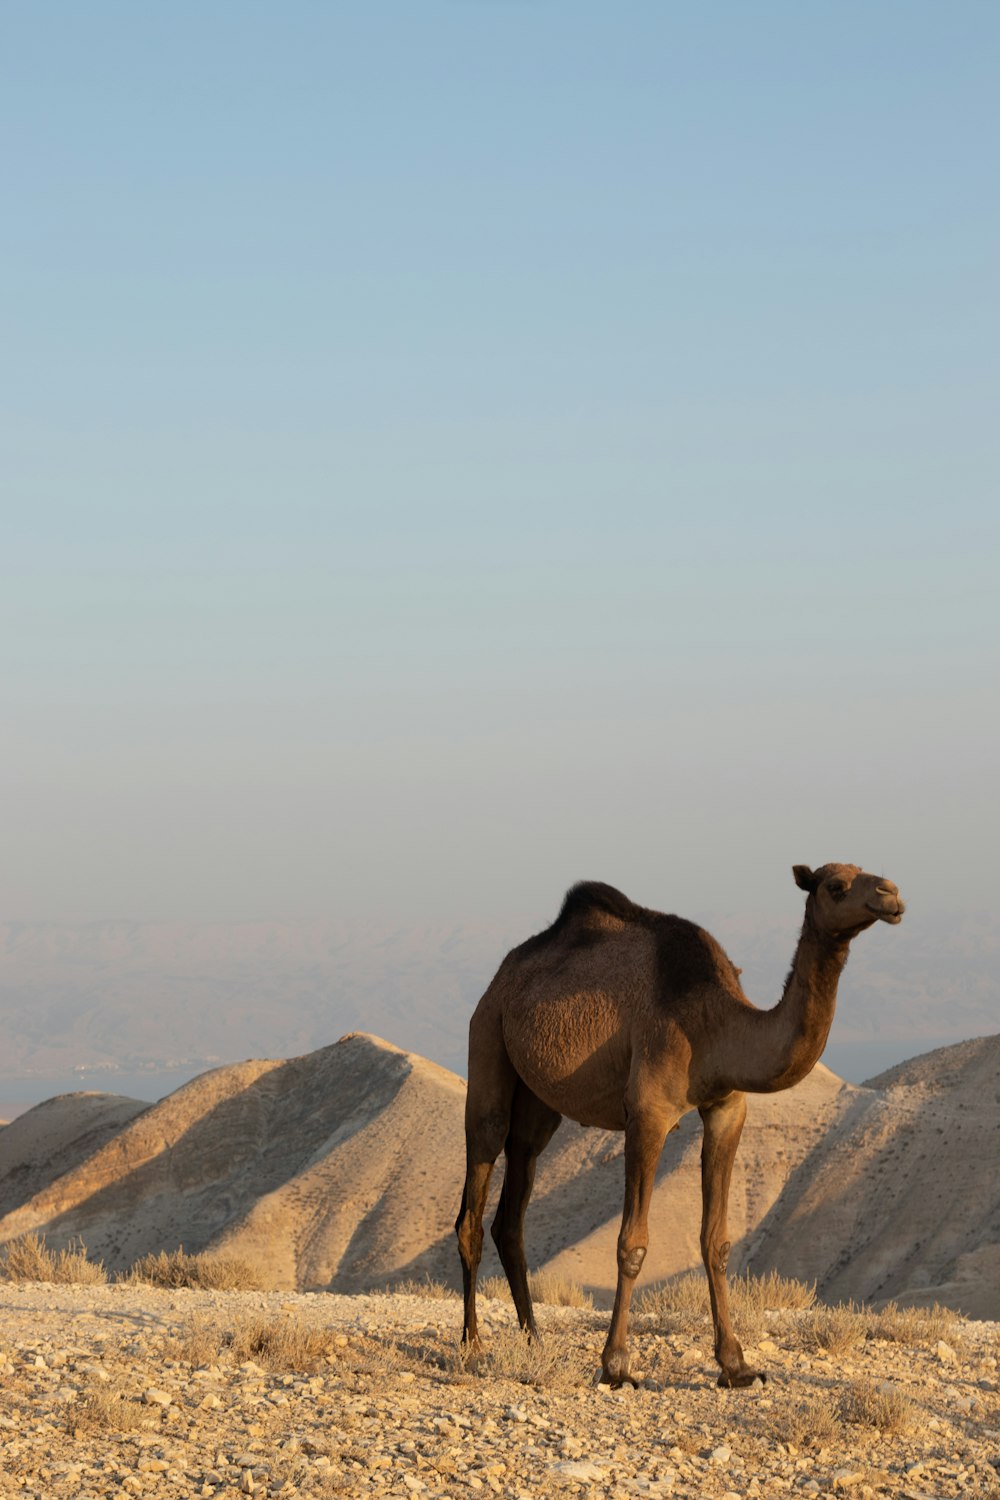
132	1391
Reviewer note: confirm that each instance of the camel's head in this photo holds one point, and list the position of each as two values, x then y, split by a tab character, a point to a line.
845	900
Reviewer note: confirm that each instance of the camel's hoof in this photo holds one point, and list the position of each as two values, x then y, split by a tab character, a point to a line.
738	1380
608	1382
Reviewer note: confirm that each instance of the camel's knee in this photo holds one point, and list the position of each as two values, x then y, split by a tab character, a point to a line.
630	1259
715	1254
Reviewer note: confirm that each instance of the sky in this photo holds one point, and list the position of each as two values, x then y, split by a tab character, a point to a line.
450	450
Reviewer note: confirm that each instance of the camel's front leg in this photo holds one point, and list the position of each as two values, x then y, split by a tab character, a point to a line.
644	1137
723	1126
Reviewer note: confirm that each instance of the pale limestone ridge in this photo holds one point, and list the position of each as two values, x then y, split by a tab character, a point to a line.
55	1137
903	1201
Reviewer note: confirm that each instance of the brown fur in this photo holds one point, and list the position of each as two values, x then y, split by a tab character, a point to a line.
626	1018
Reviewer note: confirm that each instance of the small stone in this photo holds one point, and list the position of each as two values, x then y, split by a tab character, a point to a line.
577	1472
155	1397
722	1454
843	1479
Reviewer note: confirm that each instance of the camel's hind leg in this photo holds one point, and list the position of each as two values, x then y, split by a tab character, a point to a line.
532	1126
723	1126
487	1122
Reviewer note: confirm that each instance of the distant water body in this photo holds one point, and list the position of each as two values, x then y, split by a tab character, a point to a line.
19	1094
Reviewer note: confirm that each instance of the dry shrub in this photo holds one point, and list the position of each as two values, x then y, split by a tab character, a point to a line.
683	1302
681	1298
913	1325
200	1343
30	1259
492	1286
544	1286
109	1407
284	1344
771	1293
810	1423
280	1344
838	1328
435	1291
208	1272
511	1355
871	1405
557	1291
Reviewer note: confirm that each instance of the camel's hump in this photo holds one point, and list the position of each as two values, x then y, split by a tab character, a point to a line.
587	896
594	895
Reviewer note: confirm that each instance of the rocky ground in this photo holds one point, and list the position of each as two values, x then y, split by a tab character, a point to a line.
128	1391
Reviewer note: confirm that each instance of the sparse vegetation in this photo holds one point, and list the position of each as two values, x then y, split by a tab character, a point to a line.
544	1286
557	1291
511	1355
30	1259
681	1298
772	1292
493	1286
108	1408
811	1423
838	1328
682	1302
208	1272
913	1325
437	1291
871	1405
283	1344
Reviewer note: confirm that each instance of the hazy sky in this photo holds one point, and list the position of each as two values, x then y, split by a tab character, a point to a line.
452	449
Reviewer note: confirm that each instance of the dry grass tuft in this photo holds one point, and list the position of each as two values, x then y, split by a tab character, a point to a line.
881	1406
109	1407
838	1328
544	1286
682	1297
810	1423
30	1259
493	1286
436	1291
283	1344
557	1291
511	1355
682	1302
772	1293
210	1273
913	1325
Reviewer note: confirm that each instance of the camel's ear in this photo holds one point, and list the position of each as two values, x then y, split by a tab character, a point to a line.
804	878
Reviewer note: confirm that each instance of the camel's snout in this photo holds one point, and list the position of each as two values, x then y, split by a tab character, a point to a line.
892	904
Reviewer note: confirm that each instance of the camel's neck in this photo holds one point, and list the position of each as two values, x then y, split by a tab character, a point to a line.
788	1041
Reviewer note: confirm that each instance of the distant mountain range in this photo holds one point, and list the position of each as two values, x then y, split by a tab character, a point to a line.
129	995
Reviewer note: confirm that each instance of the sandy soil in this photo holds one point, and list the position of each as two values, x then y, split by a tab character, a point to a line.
392	1411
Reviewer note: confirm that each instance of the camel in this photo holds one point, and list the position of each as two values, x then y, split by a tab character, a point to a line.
626	1018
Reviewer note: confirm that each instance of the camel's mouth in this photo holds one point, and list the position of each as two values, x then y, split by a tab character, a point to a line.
892	917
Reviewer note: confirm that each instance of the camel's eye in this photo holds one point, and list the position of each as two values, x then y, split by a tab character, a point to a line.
837	889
